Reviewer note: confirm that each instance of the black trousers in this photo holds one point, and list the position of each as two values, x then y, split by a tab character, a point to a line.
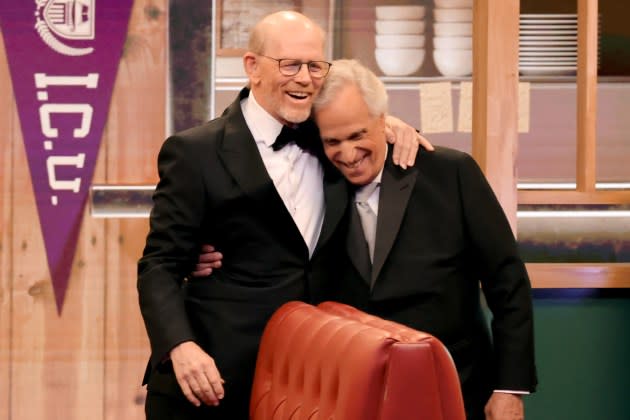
475	400
165	400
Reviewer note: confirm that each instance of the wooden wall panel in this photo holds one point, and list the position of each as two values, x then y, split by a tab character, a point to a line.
57	362
57	359
495	97
587	95
88	361
10	128
579	275
135	131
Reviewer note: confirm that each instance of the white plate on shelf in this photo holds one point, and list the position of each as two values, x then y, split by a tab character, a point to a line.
548	22
547	32
546	66
559	60
551	43
548	60
536	24
547	15
548	71
548	37
551	54
544	63
547	49
558	54
529	25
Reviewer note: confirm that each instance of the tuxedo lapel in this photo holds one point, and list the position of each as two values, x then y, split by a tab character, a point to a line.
242	160
396	188
240	154
336	199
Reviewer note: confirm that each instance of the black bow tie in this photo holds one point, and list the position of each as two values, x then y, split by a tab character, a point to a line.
305	136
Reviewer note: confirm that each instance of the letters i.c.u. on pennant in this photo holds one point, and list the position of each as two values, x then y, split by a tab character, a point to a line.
63	57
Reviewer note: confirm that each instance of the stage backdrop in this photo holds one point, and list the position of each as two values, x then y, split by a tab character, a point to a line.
82	355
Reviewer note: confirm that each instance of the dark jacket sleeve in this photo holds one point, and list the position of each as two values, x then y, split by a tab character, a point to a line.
171	246
504	280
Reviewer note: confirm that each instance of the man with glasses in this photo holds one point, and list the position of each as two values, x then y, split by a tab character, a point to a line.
291	67
270	205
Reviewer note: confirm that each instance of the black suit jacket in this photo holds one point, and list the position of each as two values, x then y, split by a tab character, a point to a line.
440	232
214	188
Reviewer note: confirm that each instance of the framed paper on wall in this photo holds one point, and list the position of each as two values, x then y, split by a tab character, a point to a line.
235	19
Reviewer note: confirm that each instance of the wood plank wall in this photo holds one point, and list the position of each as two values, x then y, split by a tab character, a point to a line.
88	362
495	97
9	126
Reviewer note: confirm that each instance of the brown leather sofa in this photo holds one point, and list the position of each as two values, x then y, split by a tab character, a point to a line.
334	362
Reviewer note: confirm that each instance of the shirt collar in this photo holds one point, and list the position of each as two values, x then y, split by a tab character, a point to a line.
263	126
379	176
377	180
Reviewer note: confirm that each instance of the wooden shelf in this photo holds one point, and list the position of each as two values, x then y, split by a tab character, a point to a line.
579	275
573	197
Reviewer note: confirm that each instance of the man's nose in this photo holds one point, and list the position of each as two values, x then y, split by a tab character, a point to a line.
348	152
303	75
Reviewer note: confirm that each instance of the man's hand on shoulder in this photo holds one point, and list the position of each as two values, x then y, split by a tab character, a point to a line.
406	141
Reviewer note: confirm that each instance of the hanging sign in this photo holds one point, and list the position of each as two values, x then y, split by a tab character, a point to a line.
63	57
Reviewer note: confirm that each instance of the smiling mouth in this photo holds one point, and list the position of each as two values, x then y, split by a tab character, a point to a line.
298	95
355	165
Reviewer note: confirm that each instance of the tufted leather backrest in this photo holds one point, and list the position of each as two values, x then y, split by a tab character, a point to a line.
334	362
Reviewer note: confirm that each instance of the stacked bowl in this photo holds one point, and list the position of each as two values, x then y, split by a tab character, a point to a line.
399	39
452	41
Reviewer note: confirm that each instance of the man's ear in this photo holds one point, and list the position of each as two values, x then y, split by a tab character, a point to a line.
252	67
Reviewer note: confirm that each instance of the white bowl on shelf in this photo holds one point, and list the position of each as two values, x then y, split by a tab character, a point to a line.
453	4
453	63
399	61
453	42
453	15
452	28
410	12
399	41
399	27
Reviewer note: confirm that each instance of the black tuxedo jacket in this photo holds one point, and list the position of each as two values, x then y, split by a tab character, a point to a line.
440	232
214	188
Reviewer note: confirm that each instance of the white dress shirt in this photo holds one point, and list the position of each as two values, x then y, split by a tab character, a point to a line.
372	200
297	175
366	200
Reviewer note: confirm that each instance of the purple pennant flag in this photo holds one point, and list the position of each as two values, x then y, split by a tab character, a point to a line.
63	57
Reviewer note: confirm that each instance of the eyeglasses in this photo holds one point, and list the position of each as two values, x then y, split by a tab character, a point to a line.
291	67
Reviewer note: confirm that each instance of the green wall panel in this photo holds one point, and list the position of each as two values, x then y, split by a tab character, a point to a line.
583	358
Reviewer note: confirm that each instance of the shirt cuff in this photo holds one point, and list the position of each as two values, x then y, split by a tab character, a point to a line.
509	391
